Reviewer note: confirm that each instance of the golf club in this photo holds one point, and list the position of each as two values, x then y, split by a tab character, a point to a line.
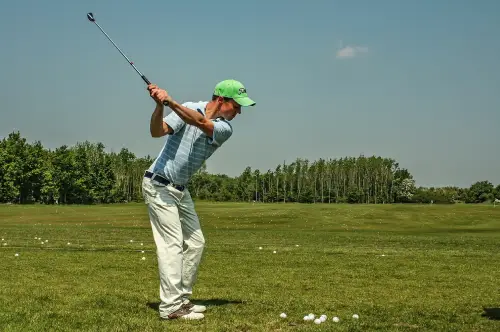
91	18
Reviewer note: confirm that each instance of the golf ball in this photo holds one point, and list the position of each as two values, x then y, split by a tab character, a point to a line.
283	315
306	318
335	319
317	321
355	316
16	255
143	258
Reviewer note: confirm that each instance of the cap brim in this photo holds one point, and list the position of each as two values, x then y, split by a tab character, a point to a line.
244	101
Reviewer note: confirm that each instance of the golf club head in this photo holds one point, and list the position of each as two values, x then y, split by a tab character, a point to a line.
91	18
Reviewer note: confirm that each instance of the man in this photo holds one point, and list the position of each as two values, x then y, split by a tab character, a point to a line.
194	131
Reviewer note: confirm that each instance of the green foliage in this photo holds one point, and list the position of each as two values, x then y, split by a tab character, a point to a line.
481	192
87	174
82	174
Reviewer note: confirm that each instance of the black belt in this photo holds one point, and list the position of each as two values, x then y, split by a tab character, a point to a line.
161	179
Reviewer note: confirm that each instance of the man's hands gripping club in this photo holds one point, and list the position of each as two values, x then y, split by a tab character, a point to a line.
158	95
159	128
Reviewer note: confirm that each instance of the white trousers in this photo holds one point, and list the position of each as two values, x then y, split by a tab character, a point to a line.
179	242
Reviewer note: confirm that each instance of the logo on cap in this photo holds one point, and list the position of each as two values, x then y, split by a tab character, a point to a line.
242	90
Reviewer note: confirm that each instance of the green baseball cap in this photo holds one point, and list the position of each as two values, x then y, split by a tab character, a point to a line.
235	90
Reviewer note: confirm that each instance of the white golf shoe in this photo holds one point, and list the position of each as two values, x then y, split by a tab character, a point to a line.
194	307
184	313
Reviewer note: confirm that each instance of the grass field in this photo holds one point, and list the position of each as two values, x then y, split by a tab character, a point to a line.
400	268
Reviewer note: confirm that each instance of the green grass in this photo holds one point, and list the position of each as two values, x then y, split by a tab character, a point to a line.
401	268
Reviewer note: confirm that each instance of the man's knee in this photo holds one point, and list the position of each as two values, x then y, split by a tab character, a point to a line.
200	242
196	243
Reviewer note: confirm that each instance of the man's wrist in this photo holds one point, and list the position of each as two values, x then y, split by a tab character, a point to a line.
172	103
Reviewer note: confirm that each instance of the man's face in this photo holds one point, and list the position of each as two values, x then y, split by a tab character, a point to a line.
229	109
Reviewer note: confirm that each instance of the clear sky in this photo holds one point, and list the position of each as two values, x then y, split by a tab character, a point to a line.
417	81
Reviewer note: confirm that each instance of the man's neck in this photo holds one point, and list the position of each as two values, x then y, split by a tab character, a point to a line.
210	112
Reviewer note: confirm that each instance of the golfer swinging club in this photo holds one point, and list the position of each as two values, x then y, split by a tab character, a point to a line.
194	131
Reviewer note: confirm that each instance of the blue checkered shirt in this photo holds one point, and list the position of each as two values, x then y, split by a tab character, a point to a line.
188	147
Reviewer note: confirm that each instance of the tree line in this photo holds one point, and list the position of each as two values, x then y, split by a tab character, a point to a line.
86	174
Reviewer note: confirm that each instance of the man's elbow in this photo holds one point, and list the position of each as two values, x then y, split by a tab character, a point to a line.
160	132
206	125
156	133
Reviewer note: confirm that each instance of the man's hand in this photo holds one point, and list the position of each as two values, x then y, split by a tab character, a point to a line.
159	95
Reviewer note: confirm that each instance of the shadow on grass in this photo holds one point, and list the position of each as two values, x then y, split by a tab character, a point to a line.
207	302
492	313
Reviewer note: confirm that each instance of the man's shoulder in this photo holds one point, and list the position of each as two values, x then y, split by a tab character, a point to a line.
224	122
195	105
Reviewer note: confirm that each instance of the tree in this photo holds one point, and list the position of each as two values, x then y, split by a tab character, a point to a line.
497	192
86	174
480	192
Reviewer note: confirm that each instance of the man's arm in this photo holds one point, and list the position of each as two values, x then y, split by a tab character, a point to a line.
192	117
157	126
186	114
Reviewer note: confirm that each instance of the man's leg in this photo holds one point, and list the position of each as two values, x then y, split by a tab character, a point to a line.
194	243
167	232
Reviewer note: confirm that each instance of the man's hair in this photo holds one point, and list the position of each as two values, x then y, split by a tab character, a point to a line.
225	98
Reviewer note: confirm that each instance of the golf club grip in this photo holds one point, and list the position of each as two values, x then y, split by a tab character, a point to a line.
146	80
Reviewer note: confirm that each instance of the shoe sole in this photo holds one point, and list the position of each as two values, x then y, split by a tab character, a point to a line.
182	317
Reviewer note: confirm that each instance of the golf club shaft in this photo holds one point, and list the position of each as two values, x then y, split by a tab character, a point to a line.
128	60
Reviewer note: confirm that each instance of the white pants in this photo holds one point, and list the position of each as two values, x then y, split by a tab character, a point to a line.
179	242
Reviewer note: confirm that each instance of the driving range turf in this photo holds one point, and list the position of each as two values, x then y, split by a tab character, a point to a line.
399	267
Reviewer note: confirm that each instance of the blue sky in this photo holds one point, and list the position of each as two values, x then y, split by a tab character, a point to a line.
417	81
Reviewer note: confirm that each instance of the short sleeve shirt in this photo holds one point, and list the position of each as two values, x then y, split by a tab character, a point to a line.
188	147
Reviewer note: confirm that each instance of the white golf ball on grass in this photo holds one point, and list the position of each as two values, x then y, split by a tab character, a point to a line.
283	315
